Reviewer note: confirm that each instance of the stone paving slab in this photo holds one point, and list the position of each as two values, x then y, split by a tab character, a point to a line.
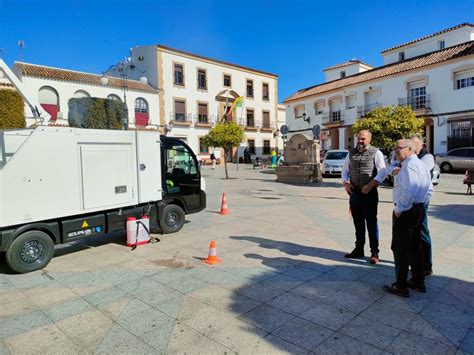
283	286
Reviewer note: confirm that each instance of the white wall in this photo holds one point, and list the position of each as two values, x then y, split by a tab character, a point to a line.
440	87
460	35
66	91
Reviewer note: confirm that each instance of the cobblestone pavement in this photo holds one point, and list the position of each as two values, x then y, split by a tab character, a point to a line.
283	286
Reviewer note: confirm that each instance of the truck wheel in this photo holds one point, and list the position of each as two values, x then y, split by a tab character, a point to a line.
172	219
31	251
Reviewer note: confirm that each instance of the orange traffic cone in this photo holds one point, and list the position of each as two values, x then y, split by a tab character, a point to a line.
224	209
212	258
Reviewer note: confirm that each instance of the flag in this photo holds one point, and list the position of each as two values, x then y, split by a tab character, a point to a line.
238	102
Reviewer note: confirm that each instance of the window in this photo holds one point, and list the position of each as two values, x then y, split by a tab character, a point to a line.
299	110
79	94
227	80
201	79
141	112
179	162
350	102
203	148
417	98
266	119
266	146
401	56
141	105
251	146
441	44
49	101
249	88
265	93
464	82
178	74
202	113
318	108
180	110
113	97
343	74
458	153
250	118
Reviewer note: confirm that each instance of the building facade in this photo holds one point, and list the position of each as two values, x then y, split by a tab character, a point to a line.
434	75
194	92
54	87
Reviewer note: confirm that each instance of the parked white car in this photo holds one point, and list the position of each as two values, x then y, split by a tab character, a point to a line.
334	161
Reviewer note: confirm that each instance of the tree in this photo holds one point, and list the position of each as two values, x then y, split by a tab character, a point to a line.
225	135
93	112
12	110
388	124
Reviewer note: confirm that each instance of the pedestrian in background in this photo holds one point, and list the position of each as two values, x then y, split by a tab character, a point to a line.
428	160
214	160
363	171
412	190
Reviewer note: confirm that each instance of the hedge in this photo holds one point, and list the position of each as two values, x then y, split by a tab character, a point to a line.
94	112
12	109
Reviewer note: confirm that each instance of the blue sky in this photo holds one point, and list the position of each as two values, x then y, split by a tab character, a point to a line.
295	39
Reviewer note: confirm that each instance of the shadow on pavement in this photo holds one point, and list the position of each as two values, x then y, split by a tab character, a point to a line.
314	305
462	214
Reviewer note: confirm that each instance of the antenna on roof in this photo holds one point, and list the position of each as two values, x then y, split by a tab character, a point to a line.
21	44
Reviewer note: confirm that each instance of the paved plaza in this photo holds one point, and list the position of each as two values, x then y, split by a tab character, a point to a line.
283	285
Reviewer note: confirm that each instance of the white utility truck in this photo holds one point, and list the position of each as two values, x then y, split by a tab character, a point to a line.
60	184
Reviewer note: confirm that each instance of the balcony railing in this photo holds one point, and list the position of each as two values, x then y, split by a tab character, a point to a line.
266	125
204	120
362	111
333	118
421	102
181	118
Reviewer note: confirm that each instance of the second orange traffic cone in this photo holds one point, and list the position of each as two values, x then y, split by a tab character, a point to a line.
212	258
224	208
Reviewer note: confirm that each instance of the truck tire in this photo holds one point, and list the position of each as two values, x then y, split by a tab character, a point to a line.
172	219
31	251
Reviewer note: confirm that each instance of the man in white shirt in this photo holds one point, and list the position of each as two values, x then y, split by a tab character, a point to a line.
412	190
363	171
428	160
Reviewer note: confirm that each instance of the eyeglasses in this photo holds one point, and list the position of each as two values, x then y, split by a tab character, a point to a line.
397	149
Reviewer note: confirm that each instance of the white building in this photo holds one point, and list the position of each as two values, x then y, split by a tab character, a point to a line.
194	91
54	87
434	75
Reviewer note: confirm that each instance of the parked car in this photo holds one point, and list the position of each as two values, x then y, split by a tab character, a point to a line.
456	159
334	161
434	179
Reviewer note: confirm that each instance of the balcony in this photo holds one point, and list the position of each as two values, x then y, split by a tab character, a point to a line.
266	126
250	124
416	103
334	119
201	120
180	119
362	111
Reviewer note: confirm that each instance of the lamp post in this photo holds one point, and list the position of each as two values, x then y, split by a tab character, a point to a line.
124	68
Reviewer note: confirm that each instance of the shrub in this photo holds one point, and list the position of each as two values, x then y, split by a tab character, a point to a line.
93	112
12	109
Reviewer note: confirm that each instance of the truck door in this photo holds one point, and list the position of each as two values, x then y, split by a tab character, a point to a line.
182	176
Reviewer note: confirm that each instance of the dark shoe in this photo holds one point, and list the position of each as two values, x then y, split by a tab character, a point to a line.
374	258
428	272
394	290
417	286
356	253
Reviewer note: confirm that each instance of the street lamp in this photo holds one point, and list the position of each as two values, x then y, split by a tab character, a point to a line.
124	68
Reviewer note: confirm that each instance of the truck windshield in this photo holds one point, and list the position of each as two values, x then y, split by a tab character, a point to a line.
180	161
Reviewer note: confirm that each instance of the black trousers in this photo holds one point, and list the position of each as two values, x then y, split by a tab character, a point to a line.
406	245
364	212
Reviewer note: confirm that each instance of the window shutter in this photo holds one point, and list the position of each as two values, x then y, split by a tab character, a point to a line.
179	107
202	109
